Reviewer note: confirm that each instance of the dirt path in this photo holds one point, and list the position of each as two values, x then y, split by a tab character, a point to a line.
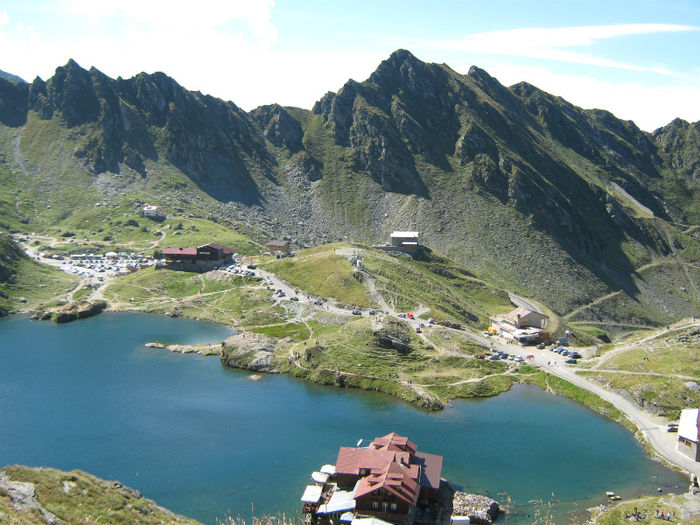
686	323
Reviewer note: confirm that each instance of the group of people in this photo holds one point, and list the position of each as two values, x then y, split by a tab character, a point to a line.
664	516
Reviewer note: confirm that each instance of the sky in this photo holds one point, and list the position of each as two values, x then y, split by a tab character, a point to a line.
639	59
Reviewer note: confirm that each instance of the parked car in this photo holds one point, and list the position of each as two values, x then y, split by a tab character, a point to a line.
540	346
403	316
356	312
571	361
672	427
372	312
480	356
409	315
518	359
575	355
295	298
418	330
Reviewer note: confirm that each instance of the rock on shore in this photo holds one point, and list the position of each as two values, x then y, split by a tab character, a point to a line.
250	351
187	349
479	509
72	311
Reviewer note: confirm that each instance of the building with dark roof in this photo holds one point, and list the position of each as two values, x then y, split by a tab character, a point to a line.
203	258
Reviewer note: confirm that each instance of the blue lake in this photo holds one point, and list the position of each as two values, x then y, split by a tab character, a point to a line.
205	441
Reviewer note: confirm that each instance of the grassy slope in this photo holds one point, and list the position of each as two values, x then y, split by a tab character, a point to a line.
674	354
350	355
67	197
321	272
618	313
617	514
78	497
228	300
448	289
31	284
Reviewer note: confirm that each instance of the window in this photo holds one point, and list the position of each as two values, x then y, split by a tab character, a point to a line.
393	507
375	505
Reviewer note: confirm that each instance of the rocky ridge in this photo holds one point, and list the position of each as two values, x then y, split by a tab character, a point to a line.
512	181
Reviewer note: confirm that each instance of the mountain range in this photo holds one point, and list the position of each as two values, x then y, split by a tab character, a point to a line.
575	208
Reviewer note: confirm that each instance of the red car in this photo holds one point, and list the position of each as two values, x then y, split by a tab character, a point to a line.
409	315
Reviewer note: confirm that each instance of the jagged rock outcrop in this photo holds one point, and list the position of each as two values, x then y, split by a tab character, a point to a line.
394	335
279	127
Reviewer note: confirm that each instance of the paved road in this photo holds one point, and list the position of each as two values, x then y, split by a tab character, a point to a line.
524	303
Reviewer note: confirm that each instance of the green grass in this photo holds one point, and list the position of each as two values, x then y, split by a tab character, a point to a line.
78	497
230	300
32	285
296	331
673	355
450	290
81	294
322	273
646	505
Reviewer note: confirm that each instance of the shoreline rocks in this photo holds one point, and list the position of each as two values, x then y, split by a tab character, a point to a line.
204	350
478	508
71	311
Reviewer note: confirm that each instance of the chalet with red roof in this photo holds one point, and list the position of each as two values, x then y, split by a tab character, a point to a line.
203	258
390	480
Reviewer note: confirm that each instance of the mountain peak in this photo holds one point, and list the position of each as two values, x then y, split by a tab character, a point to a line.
11	77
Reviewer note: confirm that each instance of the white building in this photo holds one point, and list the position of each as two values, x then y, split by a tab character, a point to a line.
152	212
404	239
689	433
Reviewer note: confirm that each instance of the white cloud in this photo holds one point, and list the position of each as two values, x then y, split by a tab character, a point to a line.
4	18
180	18
548	43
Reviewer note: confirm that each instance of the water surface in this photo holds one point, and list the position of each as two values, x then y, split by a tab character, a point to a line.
204	440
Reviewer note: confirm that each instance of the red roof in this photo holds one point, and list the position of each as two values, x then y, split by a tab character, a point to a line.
180	251
351	460
394	441
431	469
421	467
395	479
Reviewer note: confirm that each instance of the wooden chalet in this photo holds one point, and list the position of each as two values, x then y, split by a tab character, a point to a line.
202	258
390	480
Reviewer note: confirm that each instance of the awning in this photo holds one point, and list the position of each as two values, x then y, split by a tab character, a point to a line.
328	469
347	516
319	477
312	494
340	501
